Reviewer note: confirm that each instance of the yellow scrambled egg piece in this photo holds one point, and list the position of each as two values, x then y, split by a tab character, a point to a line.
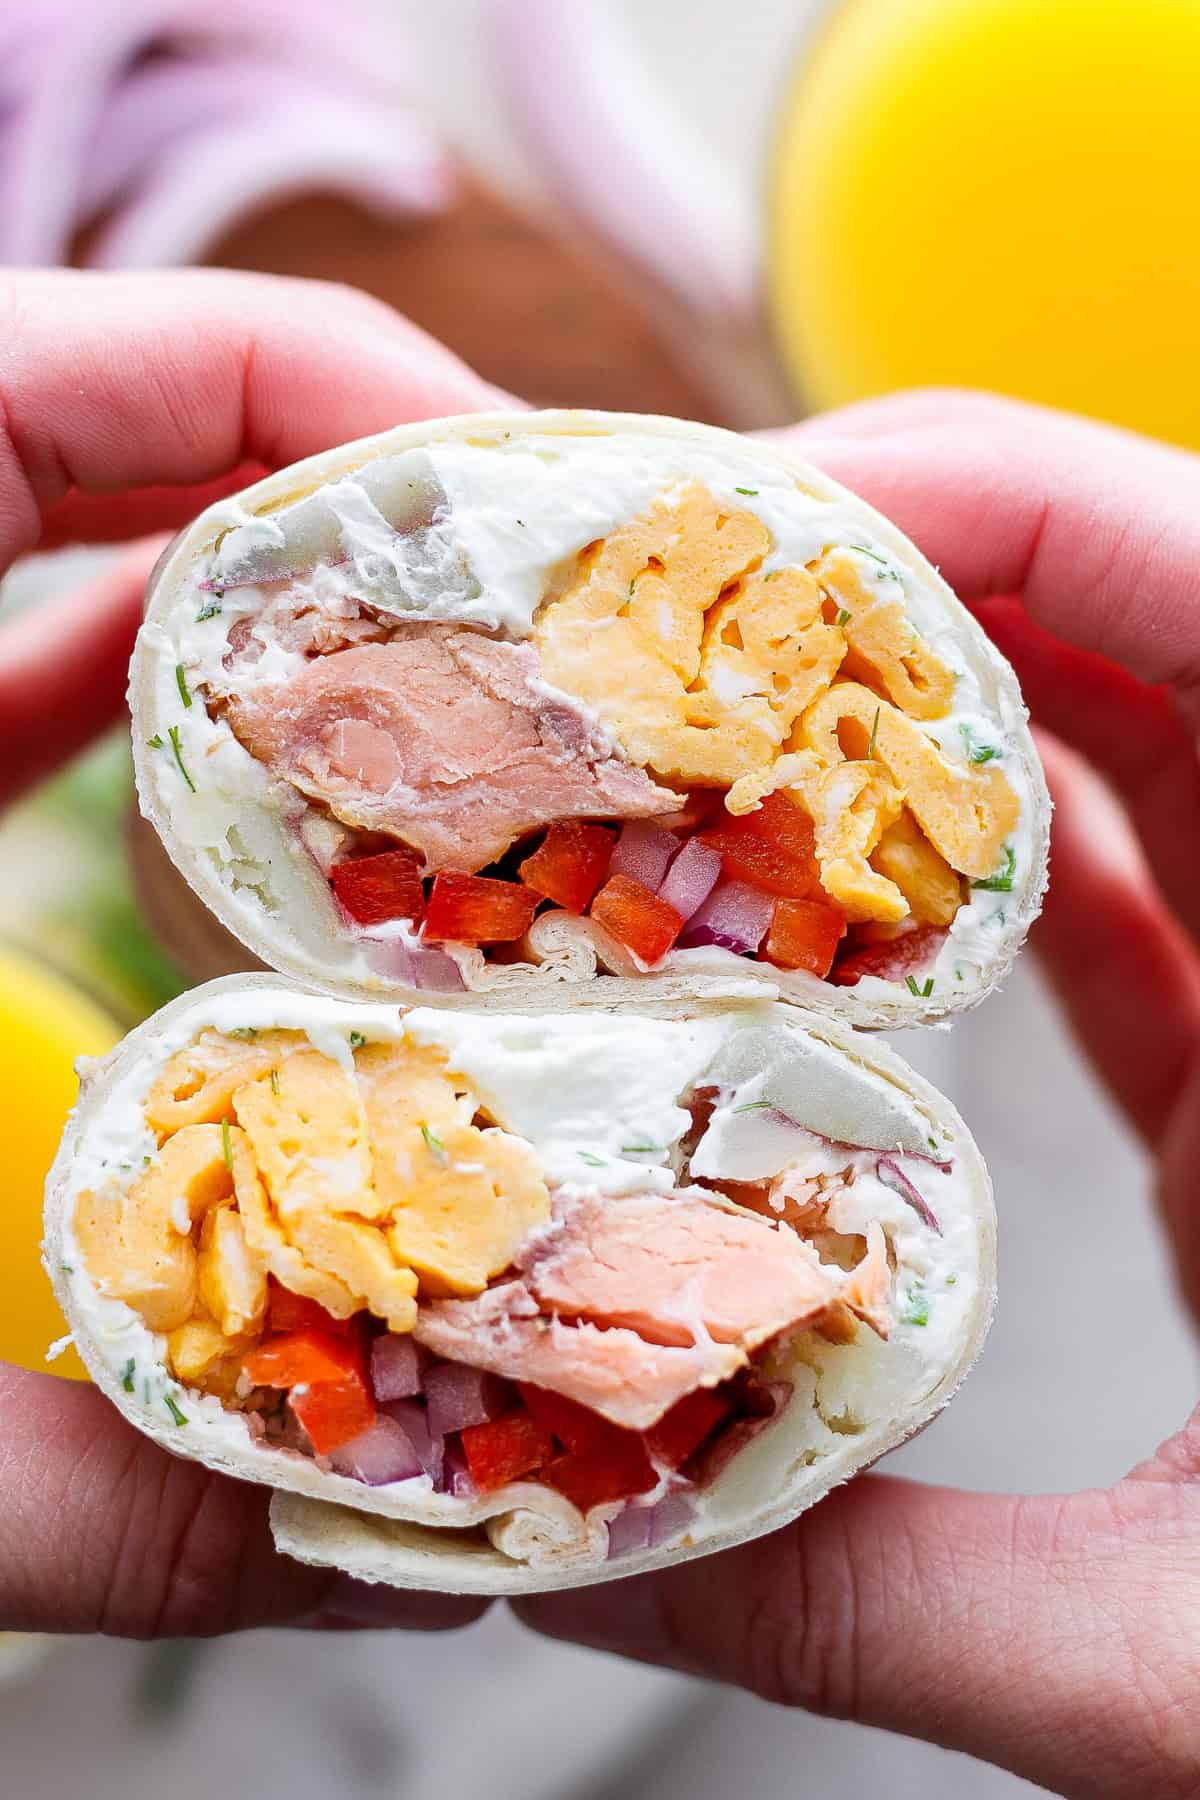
706	661
710	671
459	1200
352	1189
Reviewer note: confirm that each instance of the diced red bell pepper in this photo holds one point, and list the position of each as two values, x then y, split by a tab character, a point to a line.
333	1412
683	1429
892	959
475	909
305	1356
570	863
504	1449
773	849
373	889
296	1312
588	1481
804	934
637	918
576	1427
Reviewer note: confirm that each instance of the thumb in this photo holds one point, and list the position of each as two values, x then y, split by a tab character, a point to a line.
1055	1636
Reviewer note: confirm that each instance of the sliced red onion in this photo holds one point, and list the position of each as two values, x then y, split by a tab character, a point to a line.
382	1453
629	1531
457	1396
691	878
672	1515
429	1450
893	1176
397	1366
643	851
735	916
456	1475
418	965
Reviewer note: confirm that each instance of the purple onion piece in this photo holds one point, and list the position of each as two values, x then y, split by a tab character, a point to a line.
629	1531
430	1451
893	1176
456	1475
735	916
642	852
381	1454
691	878
397	1366
457	1396
673	1514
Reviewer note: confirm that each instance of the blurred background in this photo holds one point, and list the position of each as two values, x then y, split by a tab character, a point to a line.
737	214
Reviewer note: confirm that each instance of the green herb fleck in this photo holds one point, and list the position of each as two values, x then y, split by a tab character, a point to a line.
357	1040
976	752
918	1307
594	1162
922	989
67	1268
843	617
172	1407
275	1082
154	743
874	731
185	692
641	1149
745	490
145	1162
874	555
244	1031
209	610
632	585
127	1376
226	1144
950	1280
932	1142
173	734
1002	883
434	1145
520	522
752	1106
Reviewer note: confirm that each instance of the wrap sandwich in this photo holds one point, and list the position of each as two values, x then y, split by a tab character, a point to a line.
512	701
503	1302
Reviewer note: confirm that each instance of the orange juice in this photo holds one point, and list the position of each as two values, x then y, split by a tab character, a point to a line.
44	1025
998	193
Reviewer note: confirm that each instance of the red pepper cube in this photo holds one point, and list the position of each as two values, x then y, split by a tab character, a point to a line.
474	909
891	960
589	1481
504	1449
305	1356
638	919
804	934
774	849
333	1412
570	863
578	1428
682	1430
373	889
296	1312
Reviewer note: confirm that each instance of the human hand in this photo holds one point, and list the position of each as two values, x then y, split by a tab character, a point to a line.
126	404
1057	1636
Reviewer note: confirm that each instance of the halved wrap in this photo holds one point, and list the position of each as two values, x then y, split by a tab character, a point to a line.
506	701
501	1302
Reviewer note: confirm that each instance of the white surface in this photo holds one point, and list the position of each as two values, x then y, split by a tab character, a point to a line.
1058	1401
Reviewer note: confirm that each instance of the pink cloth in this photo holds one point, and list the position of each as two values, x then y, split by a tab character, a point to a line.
171	119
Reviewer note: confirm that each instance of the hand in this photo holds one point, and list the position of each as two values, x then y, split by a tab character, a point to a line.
1057	1636
126	404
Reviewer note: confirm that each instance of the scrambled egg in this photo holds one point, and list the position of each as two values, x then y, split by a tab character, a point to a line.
355	1190
709	671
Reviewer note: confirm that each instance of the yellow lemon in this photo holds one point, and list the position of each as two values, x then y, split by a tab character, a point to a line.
997	193
44	1025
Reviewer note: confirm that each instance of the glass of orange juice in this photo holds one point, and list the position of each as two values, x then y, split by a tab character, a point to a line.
45	1023
994	193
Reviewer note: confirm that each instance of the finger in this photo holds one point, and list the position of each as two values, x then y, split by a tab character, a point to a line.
1132	733
101	1530
1126	974
1096	529
118	382
1025	1632
115	518
63	669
